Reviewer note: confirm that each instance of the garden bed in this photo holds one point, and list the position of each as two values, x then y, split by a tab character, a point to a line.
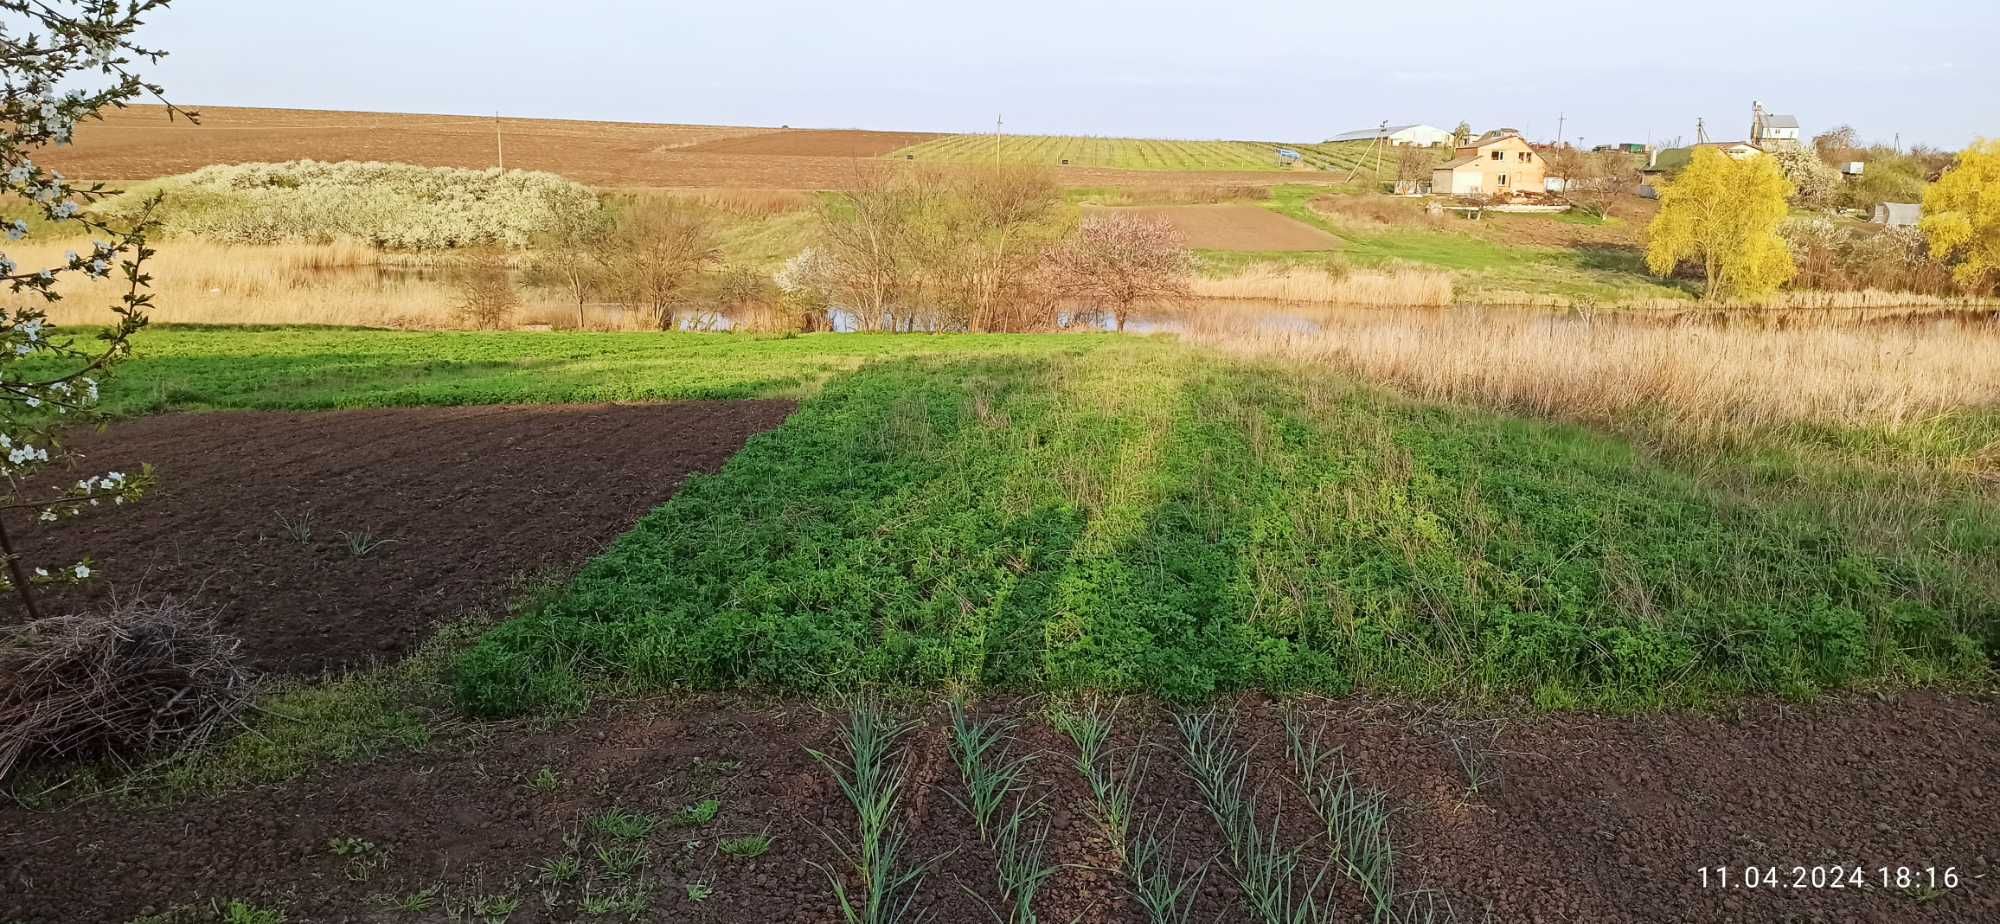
326	540
1577	818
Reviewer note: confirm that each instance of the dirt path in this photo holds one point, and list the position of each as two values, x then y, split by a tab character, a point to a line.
325	540
1579	819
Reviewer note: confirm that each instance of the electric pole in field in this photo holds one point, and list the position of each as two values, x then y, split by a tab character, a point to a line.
1560	120
499	145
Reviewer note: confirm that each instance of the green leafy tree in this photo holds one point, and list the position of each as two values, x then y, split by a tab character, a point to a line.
1724	215
1461	134
61	63
1962	216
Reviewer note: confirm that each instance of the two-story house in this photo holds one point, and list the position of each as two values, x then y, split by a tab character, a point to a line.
1491	165
1772	131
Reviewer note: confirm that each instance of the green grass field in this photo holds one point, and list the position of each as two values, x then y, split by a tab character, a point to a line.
1070	512
1485	266
196	368
1141	516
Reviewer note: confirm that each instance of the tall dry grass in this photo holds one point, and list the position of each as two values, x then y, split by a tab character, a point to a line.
1400	286
1796	300
1687	383
737	203
344	283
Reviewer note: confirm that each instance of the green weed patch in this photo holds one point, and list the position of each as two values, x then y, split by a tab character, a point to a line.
1141	516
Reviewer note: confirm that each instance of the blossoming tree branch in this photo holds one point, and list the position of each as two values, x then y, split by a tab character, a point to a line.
60	63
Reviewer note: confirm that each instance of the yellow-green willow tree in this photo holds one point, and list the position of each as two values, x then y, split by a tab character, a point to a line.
1723	214
1962	216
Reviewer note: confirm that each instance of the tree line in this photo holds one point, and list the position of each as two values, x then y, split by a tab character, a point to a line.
904	248
1748	227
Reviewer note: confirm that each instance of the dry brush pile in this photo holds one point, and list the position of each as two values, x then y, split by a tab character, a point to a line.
141	678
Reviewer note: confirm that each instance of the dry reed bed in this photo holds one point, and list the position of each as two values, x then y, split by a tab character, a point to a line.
1695	383
342	283
1399	286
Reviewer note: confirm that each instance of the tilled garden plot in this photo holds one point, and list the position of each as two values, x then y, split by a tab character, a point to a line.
1572	819
325	540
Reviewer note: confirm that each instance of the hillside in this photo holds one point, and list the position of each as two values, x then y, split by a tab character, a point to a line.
142	143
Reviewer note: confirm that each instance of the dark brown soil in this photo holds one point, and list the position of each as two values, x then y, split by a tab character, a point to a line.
1584	819
1238	227
464	501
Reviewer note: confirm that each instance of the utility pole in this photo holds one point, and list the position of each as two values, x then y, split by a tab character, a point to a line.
499	145
1381	141
999	123
1560	118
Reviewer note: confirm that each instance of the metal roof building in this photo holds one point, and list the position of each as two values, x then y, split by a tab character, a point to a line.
1418	134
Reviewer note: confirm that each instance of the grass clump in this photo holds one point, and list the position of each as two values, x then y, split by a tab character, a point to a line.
625	824
746	846
698	814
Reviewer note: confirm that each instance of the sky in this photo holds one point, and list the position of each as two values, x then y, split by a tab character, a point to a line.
1918	71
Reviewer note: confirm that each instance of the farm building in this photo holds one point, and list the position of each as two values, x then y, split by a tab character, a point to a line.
1673	159
1418	135
1501	162
1898	214
1771	131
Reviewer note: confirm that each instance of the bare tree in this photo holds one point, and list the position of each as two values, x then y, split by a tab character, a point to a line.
487	299
1414	163
1600	180
571	254
656	252
1837	145
869	244
1118	262
986	233
1567	163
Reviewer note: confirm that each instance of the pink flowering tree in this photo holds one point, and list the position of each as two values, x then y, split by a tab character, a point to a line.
61	63
1117	262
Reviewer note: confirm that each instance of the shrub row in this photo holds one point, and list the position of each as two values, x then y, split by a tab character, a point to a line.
392	206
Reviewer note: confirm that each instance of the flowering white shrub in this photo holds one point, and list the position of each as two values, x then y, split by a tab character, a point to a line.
61	62
393	206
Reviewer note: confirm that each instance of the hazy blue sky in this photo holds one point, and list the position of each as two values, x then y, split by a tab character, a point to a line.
1261	69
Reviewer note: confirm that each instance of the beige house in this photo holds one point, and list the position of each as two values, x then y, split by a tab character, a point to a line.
1491	165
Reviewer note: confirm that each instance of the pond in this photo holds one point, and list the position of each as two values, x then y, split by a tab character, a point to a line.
1276	317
